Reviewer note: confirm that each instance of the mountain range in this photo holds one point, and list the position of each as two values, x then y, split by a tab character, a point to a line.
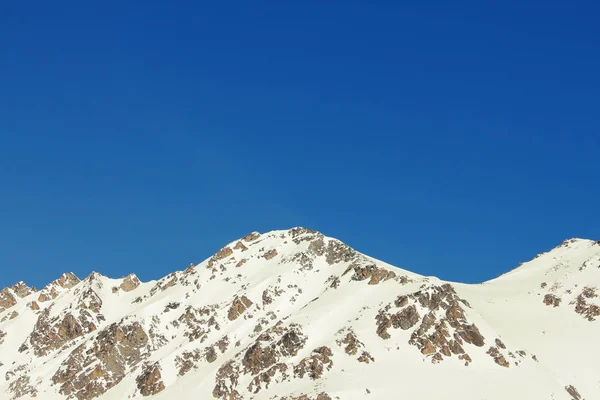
296	315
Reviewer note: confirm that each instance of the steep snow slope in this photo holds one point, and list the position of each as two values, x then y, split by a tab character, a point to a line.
297	315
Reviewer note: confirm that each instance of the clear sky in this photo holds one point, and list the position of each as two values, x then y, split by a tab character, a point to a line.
454	139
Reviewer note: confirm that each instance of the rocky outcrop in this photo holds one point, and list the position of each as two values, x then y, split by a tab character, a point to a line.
584	307
22	290
51	333
251	237
219	255
552	300
316	364
442	331
262	361
573	392
238	307
149	382
270	254
7	299
371	272
131	282
92	369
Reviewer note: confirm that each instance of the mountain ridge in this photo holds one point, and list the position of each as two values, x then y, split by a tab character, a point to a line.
293	313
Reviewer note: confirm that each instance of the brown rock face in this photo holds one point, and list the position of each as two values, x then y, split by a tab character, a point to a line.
22	290
251	237
149	382
316	364
239	305
50	334
584	308
7	300
221	254
68	280
498	357
405	319
270	254
261	360
240	246
372	272
115	349
552	300
573	392
366	357
130	283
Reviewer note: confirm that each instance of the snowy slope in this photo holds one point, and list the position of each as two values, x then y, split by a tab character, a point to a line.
297	315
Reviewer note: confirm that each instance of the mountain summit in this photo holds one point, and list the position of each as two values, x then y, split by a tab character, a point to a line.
297	315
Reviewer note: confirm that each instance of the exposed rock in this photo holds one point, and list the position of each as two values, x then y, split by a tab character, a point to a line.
270	254
240	246
251	237
221	254
51	333
22	387
240	263
22	290
498	357
371	272
366	357
187	361
573	392
405	319
7	299
114	350
149	382
211	354
552	300
130	283
239	305
584	308
316	364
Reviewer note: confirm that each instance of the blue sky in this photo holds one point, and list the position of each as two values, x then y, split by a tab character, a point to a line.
454	140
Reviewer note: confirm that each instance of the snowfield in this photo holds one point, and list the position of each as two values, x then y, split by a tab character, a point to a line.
296	315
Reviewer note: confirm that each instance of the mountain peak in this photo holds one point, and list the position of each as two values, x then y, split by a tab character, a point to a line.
294	314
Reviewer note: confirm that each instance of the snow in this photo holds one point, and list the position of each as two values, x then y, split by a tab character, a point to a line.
509	307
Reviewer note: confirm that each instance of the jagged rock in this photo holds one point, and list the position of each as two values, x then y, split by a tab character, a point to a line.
270	254
187	361
498	357
552	300
239	305
51	333
240	246
149	381
7	300
316	364
22	290
22	387
372	272
115	349
573	392
585	309
405	319
366	357
251	237
131	282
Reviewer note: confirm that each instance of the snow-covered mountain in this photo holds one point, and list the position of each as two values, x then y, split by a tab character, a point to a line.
297	315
